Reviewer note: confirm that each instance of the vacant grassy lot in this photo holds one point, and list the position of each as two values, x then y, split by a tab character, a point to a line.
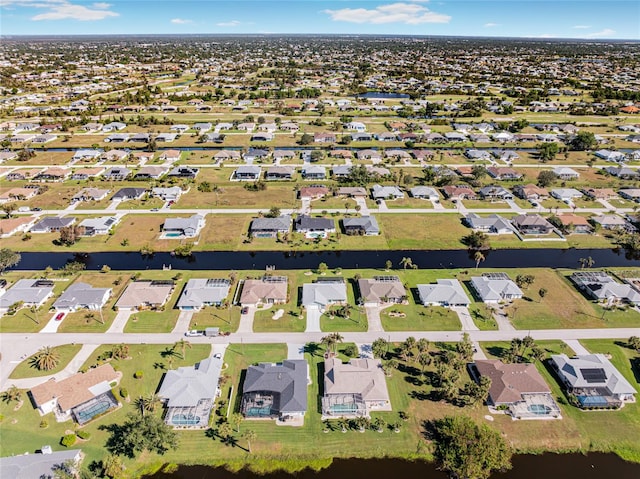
223	232
419	318
227	319
236	196
433	231
27	368
290	321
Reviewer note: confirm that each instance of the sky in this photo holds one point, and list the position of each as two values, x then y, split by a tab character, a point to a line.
588	19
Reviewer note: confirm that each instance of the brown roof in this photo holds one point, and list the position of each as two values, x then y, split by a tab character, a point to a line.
140	293
256	291
359	376
601	193
375	290
510	381
571	219
532	189
8	225
75	390
313	191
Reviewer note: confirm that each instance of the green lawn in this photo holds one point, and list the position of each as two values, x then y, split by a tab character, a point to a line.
152	321
419	318
482	317
26	369
356	320
227	320
289	322
428	231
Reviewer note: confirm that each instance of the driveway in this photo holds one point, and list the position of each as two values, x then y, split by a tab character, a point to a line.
184	320
373	318
121	320
465	318
503	321
246	320
313	320
295	350
514	206
53	325
576	346
362	202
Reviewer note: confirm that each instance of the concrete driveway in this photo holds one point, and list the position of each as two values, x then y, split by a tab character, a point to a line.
465	318
373	318
246	320
184	320
313	320
121	320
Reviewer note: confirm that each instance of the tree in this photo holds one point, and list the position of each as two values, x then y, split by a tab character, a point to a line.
322	268
546	178
8	259
235	420
13	394
182	345
149	403
274	212
476	240
584	140
478	258
525	280
478	172
542	292
9	208
306	139
141	433
113	466
634	343
331	341
547	151
468	450
406	262
388	265
70	234
120	351
380	348
250	436
45	359
465	347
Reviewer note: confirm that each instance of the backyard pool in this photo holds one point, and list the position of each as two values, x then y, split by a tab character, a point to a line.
185	420
539	409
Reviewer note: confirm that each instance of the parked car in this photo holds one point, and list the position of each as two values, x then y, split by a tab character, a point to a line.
155	209
244	310
217	356
36	209
59	316
193	332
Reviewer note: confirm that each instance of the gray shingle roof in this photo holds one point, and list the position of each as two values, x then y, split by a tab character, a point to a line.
80	295
288	381
323	293
185	386
445	291
200	291
31	291
368	223
572	370
281	223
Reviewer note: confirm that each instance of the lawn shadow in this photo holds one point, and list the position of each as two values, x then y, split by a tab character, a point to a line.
320	382
635	368
497	351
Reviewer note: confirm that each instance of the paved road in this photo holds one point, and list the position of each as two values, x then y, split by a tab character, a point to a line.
16	345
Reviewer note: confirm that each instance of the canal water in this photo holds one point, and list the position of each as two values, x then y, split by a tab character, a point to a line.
544	466
424	259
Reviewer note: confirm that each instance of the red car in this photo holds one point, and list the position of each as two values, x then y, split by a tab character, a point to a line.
59	316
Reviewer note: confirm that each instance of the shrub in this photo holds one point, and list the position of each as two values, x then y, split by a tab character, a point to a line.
138	374
124	394
82	434
68	440
44	424
351	351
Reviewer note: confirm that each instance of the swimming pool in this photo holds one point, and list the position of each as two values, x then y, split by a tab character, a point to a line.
185	420
539	409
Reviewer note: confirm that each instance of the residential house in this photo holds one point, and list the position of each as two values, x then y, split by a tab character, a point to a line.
425	193
323	293
117	138
213	138
84	174
369	154
600	193
90	194
266	290
313	192
611	221
18	194
99	226
53	174
503	173
477	155
141	295
182	227
279	173
602	287
17	224
386	192
247	173
227	155
279	155
52	224
82	296
494	224
572	223
608	155
623	172
114	126
324	137
532	224
314	172
341	171
184	172
493	288
202	127
531	192
24	174
566	194
150	173
29	292
566	174
81	396
381	290
171	193
276	390
632	194
269	227
43	464
363	225
189	392
445	292
117	173
170	156
355	125
354	389
314	227
86	155
593	380
200	292
518	388
141	138
450	136
255	154
125	194
495	192
455	192
262	136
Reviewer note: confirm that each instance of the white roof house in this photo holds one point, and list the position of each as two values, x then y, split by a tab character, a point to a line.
323	293
99	226
602	287
199	292
32	292
182	227
386	192
82	296
446	292
566	194
495	287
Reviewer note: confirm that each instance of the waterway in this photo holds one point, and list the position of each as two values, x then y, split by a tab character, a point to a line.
567	466
424	259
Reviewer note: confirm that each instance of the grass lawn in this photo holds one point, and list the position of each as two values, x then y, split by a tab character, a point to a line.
152	321
441	231
356	322
289	322
223	232
28	370
212	317
420	318
482	317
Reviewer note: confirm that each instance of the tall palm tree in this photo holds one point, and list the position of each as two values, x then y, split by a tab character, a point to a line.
12	394
45	359
479	258
182	345
406	262
331	341
249	435
148	403
235	420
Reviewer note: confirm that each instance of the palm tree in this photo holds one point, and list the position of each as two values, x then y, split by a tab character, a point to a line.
249	435
147	403
479	258
235	420
12	394
406	262
34	311
182	344
343	423
45	359
423	345
120	351
379	424
331	341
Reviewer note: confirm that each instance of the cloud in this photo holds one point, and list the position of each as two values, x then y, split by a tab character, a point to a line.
180	21
581	27
64	10
491	25
606	33
232	23
407	13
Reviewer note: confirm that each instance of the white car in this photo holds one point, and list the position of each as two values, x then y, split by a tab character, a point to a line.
193	332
